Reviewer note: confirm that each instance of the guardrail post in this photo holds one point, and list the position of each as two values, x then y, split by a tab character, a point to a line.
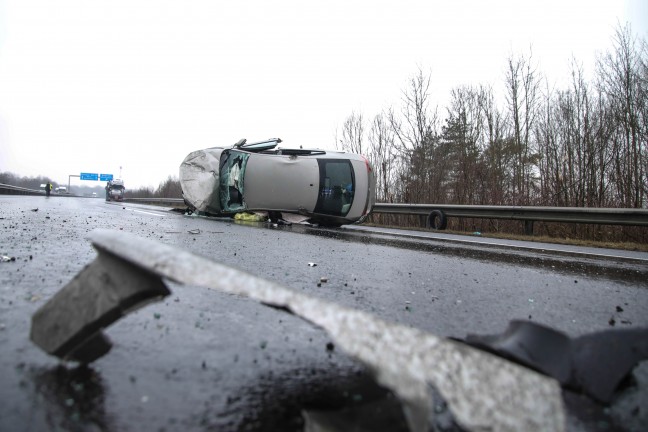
528	227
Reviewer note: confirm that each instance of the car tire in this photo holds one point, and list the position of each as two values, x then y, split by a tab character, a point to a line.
437	220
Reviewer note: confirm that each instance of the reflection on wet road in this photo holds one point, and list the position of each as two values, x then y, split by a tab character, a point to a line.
633	271
74	398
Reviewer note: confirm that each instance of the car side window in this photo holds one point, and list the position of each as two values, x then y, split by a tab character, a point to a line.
336	188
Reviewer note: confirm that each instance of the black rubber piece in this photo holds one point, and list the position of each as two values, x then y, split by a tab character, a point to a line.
595	364
437	220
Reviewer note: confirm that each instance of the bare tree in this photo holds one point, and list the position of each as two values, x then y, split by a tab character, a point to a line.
417	138
497	155
383	157
26	182
582	145
622	80
462	135
522	85
353	131
169	188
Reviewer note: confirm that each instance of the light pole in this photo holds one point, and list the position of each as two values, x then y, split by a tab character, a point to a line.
69	177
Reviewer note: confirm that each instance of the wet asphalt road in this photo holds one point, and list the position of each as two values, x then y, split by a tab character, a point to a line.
201	360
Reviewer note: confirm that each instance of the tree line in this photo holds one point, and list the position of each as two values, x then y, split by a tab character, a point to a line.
584	145
169	188
35	183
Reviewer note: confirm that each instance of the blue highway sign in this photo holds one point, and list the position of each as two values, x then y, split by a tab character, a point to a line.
89	176
105	177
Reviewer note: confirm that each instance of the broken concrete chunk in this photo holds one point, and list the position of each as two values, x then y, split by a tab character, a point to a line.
483	392
69	325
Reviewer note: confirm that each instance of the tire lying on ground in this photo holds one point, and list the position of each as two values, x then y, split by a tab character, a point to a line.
437	220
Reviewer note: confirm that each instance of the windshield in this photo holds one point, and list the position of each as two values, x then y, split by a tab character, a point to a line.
337	187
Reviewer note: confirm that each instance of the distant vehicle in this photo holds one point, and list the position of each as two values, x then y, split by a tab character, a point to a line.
115	190
61	190
329	187
94	194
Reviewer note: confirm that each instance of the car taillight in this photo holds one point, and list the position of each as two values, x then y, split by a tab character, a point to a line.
367	163
367	208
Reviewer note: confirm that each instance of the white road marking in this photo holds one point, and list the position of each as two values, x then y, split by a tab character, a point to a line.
148	213
547	249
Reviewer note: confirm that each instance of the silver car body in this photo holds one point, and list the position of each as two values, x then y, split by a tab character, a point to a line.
329	187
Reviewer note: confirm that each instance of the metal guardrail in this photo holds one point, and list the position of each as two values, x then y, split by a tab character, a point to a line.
6	189
437	214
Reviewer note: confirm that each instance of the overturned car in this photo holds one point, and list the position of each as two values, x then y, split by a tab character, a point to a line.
328	187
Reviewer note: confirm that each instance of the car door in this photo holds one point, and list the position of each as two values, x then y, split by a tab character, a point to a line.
281	182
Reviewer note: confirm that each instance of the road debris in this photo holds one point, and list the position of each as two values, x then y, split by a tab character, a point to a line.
5	258
482	391
312	264
69	325
194	231
250	217
595	363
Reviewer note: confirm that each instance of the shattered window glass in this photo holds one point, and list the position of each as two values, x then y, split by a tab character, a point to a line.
232	174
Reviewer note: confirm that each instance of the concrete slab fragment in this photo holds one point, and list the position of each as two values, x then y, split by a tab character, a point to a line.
69	325
483	392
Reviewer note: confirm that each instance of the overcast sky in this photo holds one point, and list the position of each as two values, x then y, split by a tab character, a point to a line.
92	86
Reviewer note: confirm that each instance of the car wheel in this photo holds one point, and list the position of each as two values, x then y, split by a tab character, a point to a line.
437	220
